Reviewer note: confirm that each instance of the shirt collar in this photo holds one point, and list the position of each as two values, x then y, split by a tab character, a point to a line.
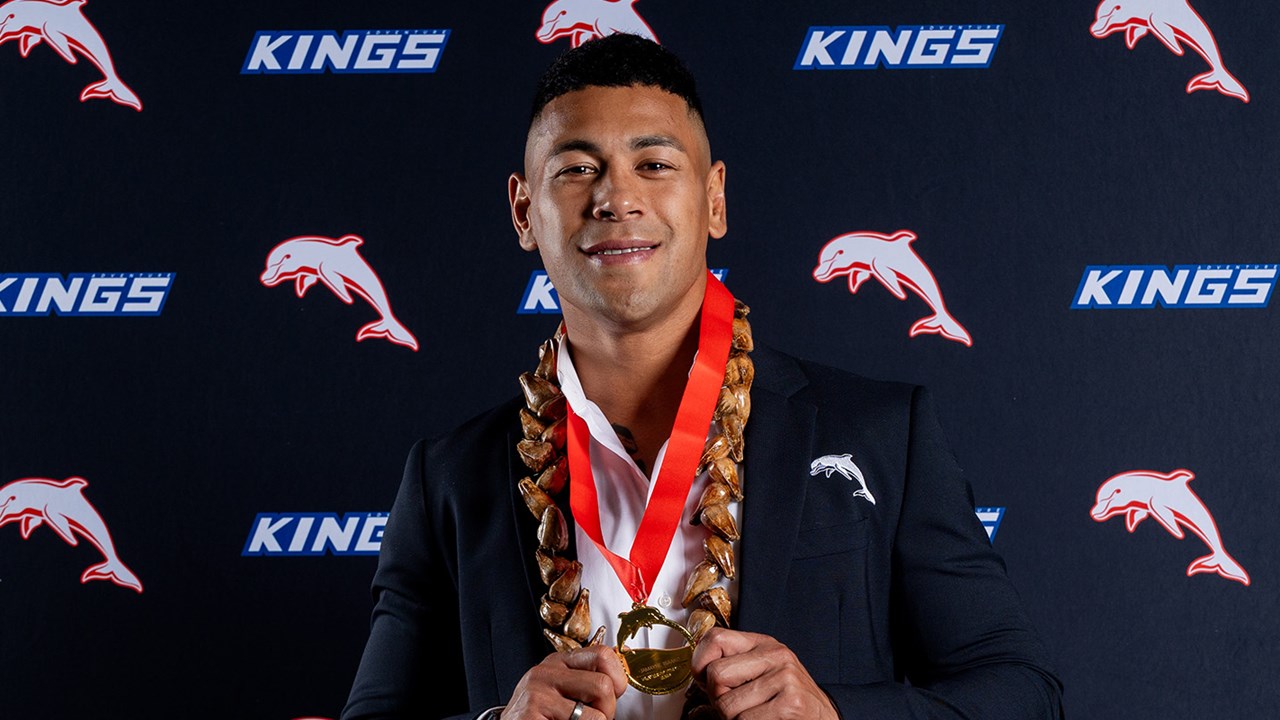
601	430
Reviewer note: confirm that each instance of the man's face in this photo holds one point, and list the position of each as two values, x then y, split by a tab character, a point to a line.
619	197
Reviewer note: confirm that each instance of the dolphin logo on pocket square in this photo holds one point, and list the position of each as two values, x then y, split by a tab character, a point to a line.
844	465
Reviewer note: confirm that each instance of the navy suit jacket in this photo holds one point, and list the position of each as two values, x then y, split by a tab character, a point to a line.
898	609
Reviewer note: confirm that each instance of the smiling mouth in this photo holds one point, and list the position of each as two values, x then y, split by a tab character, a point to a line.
624	251
619	249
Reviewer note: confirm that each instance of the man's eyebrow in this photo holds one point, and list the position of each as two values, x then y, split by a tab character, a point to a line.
648	141
575	145
639	143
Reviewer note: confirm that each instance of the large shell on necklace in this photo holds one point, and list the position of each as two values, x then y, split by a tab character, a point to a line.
717	493
578	626
701	578
536	454
560	642
720	552
553	533
739	370
716	601
719	519
565	588
554	476
716	449
530	426
598	637
534	498
547	361
538	392
552	613
555	408
725	471
550	566
555	434
700	621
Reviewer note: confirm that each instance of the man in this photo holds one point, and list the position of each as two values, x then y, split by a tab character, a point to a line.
867	587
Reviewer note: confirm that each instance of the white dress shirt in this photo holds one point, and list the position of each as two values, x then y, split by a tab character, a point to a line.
622	492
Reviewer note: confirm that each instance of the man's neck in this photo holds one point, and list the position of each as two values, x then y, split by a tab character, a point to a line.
636	376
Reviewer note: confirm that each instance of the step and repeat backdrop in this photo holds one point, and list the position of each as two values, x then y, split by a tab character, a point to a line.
252	251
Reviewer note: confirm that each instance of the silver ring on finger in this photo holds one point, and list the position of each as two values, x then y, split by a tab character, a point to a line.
577	711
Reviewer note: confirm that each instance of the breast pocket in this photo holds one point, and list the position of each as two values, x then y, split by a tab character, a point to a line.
831	539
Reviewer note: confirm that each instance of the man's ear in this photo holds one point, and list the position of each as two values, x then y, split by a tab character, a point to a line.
518	196
717	224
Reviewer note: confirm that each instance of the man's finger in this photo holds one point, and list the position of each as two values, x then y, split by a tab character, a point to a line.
735	671
720	643
758	692
600	660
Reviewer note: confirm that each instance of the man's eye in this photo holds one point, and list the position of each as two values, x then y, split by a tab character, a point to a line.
577	170
656	165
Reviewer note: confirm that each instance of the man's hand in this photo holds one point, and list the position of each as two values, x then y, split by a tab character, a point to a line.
754	677
551	689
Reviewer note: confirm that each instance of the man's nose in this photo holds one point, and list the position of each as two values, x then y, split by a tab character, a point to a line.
617	196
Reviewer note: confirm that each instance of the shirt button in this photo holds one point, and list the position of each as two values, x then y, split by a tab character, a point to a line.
664	600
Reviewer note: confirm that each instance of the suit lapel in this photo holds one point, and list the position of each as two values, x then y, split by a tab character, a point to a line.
526	526
779	443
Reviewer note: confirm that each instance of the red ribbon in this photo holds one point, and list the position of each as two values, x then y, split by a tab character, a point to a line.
679	465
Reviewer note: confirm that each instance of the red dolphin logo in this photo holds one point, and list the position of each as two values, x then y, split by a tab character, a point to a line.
1168	498
31	501
1172	22
583	20
64	27
891	261
337	264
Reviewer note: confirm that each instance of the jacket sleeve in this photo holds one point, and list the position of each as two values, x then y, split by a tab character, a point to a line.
962	639
412	664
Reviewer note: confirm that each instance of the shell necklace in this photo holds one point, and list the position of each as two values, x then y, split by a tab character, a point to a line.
565	607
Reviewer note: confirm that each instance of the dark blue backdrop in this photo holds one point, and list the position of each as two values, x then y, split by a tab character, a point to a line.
238	399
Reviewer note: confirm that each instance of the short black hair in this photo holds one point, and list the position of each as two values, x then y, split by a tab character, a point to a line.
617	60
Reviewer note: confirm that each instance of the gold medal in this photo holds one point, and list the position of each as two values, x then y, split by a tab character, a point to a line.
650	670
